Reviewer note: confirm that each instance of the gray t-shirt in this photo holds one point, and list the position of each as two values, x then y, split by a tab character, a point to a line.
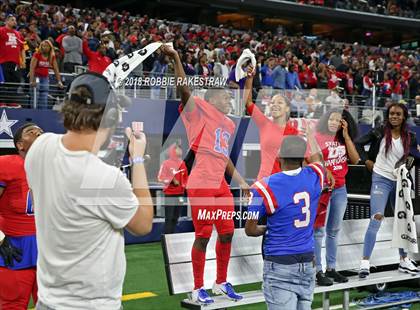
73	49
81	207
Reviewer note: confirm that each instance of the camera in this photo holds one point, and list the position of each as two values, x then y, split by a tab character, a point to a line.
117	148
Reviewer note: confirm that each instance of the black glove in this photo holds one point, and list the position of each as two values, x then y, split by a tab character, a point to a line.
9	253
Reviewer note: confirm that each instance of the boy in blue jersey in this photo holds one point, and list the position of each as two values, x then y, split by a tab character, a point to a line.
289	199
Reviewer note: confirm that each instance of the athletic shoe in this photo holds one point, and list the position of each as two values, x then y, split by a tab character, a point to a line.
337	277
364	269
407	265
322	280
226	289
201	296
415	264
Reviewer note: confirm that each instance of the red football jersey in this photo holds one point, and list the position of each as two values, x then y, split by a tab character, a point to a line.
209	132
271	138
335	157
16	209
11	44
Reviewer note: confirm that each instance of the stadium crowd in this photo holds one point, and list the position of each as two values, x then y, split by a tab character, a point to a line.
95	38
402	8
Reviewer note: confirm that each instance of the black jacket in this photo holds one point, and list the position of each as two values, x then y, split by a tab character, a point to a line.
374	138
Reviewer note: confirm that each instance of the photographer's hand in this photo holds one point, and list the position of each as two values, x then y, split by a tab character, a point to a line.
137	143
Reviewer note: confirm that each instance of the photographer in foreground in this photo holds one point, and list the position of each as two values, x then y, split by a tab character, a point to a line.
83	204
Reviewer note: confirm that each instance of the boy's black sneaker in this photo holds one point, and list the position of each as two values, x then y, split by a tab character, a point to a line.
322	280
336	276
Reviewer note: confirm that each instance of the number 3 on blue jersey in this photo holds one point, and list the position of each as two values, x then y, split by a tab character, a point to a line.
305	209
221	134
29	204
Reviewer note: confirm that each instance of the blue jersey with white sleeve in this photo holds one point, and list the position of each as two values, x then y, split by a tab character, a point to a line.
290	200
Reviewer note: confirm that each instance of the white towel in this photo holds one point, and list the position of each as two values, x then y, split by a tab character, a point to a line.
245	56
122	67
404	233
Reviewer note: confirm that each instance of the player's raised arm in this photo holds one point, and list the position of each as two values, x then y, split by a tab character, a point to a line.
186	99
248	86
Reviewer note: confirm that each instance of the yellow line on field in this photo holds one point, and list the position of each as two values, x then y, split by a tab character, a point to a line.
138	296
131	296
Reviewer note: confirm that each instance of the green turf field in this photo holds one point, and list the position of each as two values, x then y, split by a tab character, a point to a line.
146	273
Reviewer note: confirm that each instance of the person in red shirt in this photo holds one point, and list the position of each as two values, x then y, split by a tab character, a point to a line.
12	58
173	173
59	41
387	85
336	131
41	62
209	132
271	131
18	248
97	61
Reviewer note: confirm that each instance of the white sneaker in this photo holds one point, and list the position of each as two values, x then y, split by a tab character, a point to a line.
364	269
408	266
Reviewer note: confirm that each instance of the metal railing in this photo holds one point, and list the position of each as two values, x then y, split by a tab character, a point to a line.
23	95
361	107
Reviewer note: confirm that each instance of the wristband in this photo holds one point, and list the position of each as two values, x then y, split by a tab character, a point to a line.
137	160
2	236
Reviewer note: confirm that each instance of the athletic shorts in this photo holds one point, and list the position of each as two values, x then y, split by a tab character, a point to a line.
212	207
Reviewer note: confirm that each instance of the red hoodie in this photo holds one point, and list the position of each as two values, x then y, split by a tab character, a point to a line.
96	61
173	169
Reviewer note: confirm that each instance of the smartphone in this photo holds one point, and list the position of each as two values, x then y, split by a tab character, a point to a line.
137	127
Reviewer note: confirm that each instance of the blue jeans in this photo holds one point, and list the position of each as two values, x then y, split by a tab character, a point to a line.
288	287
42	89
382	189
336	209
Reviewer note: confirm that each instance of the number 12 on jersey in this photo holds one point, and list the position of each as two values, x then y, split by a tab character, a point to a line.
225	136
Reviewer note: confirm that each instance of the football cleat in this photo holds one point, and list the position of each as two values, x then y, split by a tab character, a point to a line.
226	289
201	296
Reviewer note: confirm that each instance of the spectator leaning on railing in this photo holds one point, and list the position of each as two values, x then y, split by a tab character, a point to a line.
41	62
